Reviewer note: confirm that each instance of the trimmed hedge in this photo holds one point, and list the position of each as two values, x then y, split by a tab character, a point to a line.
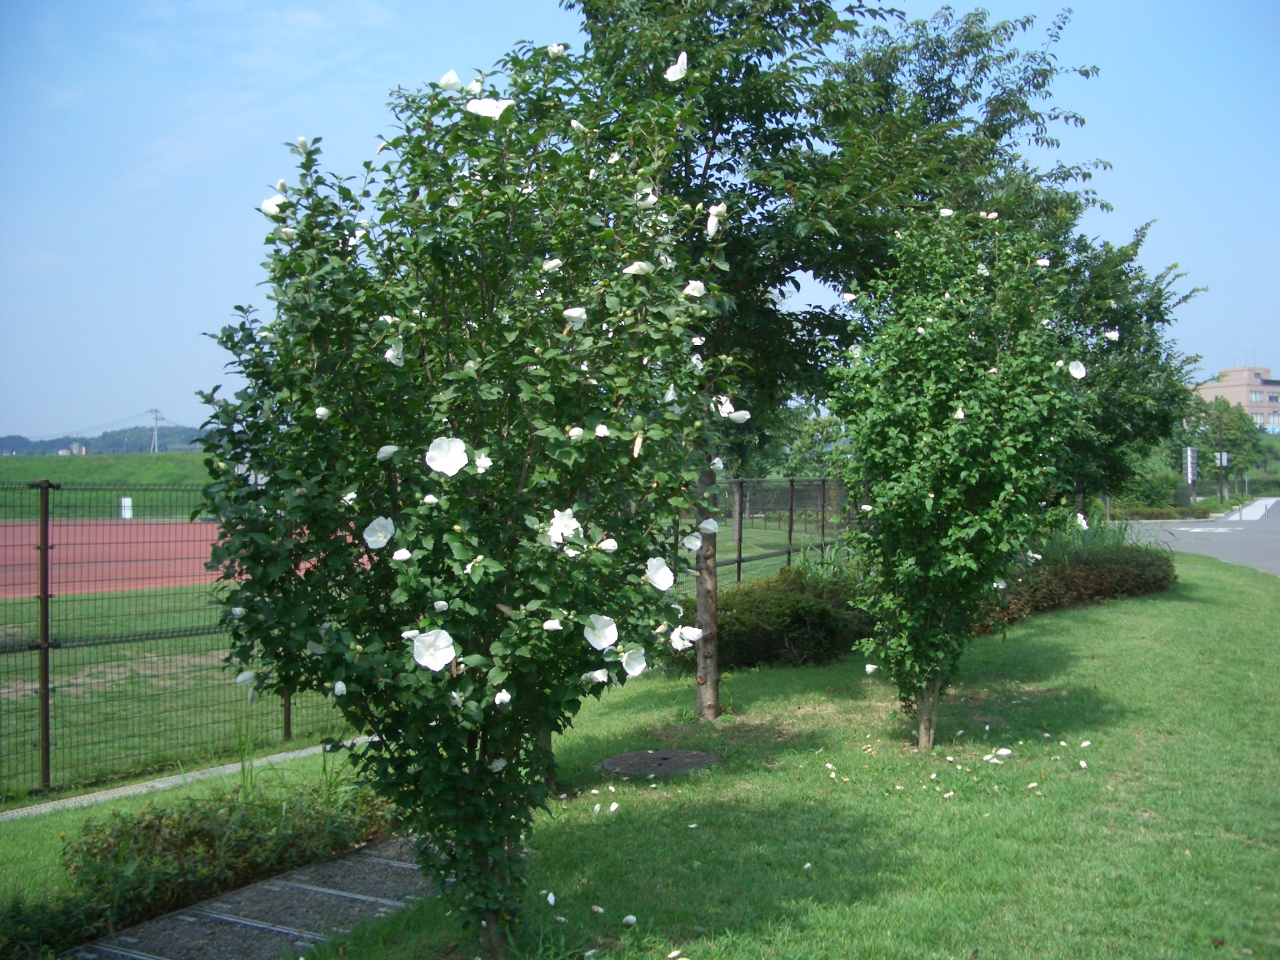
1107	573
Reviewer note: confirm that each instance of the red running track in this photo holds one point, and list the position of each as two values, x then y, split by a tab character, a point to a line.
105	556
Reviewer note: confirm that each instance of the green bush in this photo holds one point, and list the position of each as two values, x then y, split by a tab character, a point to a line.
791	618
1150	490
126	868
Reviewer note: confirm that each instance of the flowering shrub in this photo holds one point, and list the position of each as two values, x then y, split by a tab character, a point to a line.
474	427
954	404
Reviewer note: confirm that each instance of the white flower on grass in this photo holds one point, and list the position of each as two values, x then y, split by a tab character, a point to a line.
271	205
659	574
552	625
577	126
502	698
433	649
608	545
959	414
450	82
678	69
575	433
603	632
387	452
1112	335
576	316
440	606
552	265
638	268
402	554
1004	752
682	638
695	288
1042	262
601	430
629	920
713	219
447	455
395	354
596	676
1082	522
555	50
322	413
946	212
709	526
693	542
497	766
872	668
379	532
562	526
339	689
483	463
488	107
633	662
1077	369
430	500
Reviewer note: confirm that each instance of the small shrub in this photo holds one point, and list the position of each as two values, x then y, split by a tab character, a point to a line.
790	618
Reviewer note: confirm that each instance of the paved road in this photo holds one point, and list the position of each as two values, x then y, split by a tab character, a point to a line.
1250	542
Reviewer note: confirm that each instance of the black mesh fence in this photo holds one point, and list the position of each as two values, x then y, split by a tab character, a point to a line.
123	672
766	524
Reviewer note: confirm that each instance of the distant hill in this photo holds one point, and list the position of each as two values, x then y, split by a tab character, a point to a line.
129	440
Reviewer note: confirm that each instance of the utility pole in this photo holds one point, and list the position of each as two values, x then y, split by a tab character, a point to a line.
1222	461
155	430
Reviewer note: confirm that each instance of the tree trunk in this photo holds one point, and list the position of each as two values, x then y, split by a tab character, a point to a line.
708	677
927	712
495	944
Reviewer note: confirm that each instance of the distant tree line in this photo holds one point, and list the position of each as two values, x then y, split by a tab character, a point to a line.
129	440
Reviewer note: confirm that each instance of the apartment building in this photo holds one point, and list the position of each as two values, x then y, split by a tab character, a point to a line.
1251	388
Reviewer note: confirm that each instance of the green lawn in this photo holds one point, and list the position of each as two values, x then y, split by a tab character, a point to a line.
1165	843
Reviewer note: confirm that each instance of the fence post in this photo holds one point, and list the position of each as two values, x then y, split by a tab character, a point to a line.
822	512
43	595
791	514
737	527
288	716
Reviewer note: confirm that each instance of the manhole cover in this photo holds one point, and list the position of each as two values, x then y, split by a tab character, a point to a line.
659	763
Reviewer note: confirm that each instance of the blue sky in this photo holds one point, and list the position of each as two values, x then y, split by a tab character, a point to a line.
139	137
